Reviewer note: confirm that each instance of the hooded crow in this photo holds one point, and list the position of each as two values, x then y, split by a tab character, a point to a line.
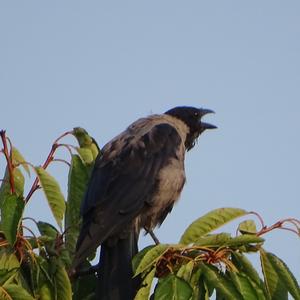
135	182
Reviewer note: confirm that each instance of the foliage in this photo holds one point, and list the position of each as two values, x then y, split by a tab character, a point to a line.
35	259
204	263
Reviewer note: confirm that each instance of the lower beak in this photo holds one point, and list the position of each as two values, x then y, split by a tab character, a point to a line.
208	126
205	111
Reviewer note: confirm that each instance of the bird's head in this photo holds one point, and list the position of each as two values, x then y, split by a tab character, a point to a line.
191	116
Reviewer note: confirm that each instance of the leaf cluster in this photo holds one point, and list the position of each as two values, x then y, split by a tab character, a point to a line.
34	261
205	264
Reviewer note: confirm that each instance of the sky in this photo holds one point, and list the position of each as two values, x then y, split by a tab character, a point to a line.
103	64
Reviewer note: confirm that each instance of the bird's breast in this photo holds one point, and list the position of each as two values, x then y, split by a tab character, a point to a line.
170	182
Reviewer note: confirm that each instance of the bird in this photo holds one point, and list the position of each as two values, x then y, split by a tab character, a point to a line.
135	182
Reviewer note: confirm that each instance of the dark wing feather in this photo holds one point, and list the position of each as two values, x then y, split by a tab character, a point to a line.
120	186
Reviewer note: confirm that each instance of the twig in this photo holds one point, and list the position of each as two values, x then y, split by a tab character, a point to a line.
278	225
29	230
49	159
30	219
259	217
62	136
289	229
62	160
68	147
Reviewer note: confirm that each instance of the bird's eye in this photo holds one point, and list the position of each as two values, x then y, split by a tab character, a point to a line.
196	114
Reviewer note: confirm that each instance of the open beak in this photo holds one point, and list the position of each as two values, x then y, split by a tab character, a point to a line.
203	112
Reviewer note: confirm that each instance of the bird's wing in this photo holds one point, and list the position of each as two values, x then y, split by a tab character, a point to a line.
123	182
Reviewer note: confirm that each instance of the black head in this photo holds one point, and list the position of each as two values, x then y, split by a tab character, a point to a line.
191	116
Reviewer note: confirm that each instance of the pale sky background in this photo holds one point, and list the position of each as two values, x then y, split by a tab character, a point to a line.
103	64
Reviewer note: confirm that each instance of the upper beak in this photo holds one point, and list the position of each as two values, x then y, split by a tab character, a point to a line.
204	111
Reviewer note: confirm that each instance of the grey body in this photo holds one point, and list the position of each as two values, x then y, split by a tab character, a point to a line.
112	216
169	180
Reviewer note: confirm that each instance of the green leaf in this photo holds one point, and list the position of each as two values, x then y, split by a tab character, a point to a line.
244	265
150	258
8	260
86	141
7	218
285	275
209	287
209	222
86	155
29	274
47	229
223	285
244	286
247	227
63	285
213	240
7	275
65	257
144	291
19	181
82	137
204	293
49	237
78	179
84	287
17	158
276	288
53	194
46	269
14	292
196	282
11	214
186	270
173	288
260	290
5	187
53	264
138	257
46	291
244	239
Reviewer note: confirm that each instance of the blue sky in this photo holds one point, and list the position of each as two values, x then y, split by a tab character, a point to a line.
103	64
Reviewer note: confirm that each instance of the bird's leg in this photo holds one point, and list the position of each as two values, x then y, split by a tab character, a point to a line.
154	238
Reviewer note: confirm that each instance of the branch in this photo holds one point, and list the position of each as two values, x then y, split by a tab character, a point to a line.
35	185
279	225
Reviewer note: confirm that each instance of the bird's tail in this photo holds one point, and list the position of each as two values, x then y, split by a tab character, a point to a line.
115	272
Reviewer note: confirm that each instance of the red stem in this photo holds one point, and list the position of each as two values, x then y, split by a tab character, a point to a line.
49	159
279	225
62	160
9	161
266	229
63	135
35	185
